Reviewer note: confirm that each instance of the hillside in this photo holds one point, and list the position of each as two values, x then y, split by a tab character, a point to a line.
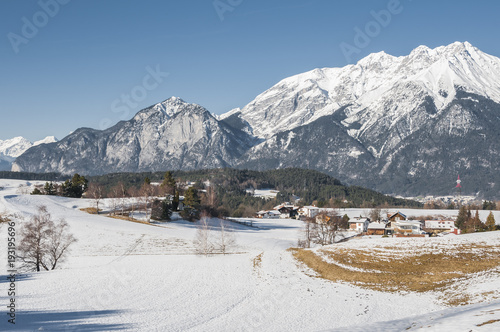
232	186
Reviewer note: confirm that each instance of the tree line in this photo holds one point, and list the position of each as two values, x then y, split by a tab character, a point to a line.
468	222
228	192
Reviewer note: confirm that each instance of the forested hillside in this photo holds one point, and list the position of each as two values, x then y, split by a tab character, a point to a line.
231	188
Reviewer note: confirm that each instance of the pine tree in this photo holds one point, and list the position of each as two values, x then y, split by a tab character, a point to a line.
477	222
462	218
49	188
490	222
75	187
191	204
175	201
36	191
169	184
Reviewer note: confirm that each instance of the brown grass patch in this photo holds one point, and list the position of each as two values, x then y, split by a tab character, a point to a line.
4	218
391	269
90	210
489	322
257	261
130	219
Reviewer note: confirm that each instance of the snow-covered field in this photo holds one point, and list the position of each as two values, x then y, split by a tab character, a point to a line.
130	276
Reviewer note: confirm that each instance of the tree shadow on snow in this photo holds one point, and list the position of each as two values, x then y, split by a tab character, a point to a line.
19	277
62	321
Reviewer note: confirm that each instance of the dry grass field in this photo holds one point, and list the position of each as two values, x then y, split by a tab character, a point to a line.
399	267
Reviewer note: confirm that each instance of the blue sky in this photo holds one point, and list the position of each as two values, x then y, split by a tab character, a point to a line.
74	69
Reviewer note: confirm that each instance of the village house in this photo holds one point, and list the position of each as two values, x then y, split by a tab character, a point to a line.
288	211
309	211
359	224
375	228
273	214
405	227
398	216
439	226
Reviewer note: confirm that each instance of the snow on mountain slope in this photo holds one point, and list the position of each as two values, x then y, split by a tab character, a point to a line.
46	140
378	86
12	148
16	146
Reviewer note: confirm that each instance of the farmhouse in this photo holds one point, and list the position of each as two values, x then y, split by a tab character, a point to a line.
268	214
308	211
439	226
288	211
398	216
405	227
376	228
359	224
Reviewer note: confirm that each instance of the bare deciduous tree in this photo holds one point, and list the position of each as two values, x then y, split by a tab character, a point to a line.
307	234
147	192
203	241
118	194
375	214
134	197
96	193
322	229
225	238
44	242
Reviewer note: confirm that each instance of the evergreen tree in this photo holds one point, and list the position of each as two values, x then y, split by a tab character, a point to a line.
166	210
490	222
175	201
487	205
49	188
169	184
36	191
191	204
75	187
477	222
191	198
147	180
462	218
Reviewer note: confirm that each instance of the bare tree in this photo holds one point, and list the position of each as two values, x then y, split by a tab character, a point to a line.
122	195
133	193
307	234
225	239
147	192
23	189
96	193
44	242
203	241
375	214
322	229
59	241
117	197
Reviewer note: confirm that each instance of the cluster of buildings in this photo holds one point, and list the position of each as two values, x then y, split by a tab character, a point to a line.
397	224
394	224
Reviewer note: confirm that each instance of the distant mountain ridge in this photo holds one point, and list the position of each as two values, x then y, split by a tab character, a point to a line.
402	125
12	148
169	135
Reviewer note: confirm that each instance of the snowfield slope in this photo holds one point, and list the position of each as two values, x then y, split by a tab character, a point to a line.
135	277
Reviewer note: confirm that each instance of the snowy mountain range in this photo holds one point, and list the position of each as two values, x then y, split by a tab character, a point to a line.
12	148
405	125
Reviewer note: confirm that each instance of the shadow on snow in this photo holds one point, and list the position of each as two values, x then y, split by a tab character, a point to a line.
62	321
